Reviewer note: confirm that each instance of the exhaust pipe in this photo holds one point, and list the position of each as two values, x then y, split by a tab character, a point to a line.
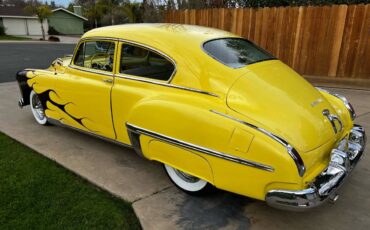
333	198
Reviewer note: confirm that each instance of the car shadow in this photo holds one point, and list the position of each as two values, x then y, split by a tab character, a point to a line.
214	211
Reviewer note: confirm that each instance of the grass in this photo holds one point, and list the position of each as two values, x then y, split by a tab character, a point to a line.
14	38
37	193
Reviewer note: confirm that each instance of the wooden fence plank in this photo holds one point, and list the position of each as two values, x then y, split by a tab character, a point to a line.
329	41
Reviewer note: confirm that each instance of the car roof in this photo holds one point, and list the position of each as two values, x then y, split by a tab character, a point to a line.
182	43
159	32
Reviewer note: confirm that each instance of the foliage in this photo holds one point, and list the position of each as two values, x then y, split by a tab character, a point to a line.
110	12
196	4
53	31
70	7
37	193
54	39
42	12
2	30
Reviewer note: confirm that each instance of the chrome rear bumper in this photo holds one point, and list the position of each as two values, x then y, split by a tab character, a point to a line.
343	159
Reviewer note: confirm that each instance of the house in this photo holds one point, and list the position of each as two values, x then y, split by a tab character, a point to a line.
18	22
66	22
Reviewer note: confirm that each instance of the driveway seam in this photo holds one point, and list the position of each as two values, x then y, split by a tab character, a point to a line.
363	114
154	193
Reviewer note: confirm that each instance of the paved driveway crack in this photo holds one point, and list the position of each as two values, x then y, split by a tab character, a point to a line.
159	191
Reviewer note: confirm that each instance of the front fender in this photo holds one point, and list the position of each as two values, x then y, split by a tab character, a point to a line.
24	88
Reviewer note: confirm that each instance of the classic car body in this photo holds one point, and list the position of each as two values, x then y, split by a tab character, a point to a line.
211	106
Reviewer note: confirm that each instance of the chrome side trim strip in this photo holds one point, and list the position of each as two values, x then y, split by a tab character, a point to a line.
166	84
59	123
141	131
291	151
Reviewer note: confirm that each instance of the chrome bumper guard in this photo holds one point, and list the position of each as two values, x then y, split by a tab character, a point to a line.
343	159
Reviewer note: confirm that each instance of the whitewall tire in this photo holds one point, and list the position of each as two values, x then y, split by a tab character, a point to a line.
187	182
37	109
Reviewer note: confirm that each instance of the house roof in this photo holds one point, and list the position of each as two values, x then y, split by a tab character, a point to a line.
13	10
69	12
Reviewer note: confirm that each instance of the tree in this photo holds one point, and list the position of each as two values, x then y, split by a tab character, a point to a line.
70	7
42	12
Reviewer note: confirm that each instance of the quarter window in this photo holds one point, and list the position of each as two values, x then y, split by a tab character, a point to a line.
142	62
96	55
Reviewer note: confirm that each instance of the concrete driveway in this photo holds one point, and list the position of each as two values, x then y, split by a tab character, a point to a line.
158	204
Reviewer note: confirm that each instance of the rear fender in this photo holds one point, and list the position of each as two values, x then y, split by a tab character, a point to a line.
185	134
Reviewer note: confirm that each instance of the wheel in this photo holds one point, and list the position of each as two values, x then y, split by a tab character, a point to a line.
188	183
38	110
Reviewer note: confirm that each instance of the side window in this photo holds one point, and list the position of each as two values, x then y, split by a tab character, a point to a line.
95	55
142	62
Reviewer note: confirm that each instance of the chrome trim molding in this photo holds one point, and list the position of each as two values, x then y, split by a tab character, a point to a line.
332	118
59	123
166	84
290	150
135	132
155	51
325	186
346	103
90	70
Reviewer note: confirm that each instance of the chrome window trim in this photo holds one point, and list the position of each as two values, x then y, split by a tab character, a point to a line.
135	78
290	149
343	99
129	77
90	70
125	41
132	129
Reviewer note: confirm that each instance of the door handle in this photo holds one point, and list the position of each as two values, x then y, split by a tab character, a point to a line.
107	80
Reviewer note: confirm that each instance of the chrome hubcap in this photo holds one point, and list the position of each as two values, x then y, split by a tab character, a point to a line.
37	106
186	177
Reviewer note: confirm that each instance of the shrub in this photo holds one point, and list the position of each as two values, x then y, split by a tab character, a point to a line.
54	39
2	30
53	31
197	4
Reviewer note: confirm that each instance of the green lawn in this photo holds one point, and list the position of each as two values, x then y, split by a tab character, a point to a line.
10	37
37	193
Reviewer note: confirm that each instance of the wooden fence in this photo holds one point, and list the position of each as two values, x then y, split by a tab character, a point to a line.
329	41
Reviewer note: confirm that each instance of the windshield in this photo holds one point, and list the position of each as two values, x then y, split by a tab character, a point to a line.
235	52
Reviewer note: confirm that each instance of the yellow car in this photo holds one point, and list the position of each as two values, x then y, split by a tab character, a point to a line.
214	108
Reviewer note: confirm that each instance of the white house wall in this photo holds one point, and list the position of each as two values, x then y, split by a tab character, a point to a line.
23	26
34	27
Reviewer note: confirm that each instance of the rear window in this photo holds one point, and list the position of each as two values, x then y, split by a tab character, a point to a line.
235	52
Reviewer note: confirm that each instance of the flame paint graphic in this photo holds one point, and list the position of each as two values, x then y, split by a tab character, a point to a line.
45	98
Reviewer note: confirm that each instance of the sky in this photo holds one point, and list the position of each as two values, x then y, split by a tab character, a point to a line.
61	2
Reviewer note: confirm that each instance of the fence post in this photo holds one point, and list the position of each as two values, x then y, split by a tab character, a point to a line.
339	31
297	37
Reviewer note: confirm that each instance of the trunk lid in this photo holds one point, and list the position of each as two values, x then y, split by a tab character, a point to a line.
274	97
